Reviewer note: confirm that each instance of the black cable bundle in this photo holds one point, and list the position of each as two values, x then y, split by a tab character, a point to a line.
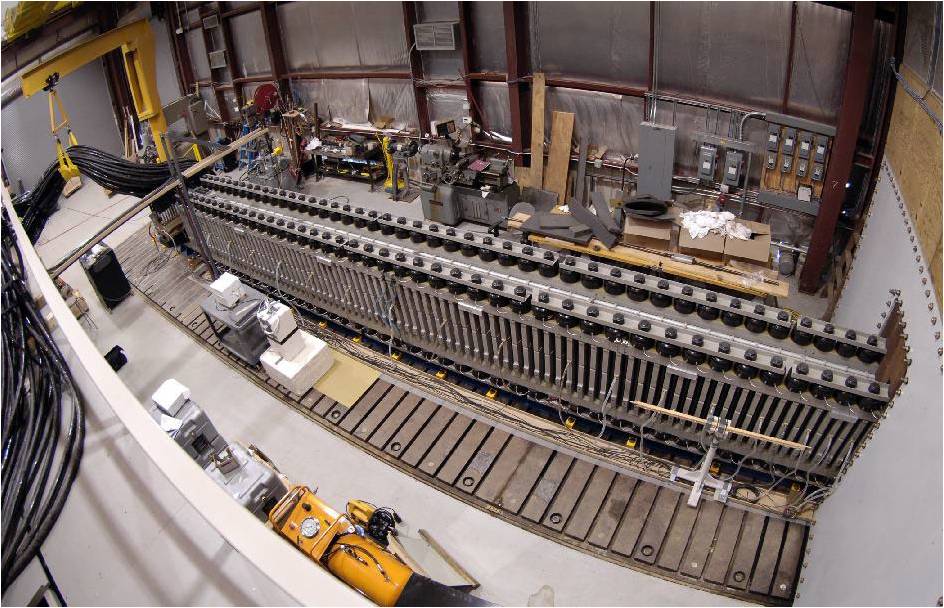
43	420
107	170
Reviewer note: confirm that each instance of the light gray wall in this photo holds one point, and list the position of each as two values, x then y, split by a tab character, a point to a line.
28	147
878	539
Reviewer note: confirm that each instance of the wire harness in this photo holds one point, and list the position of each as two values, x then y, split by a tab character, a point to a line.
43	420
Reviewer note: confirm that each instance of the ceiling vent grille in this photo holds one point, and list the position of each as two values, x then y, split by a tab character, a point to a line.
437	36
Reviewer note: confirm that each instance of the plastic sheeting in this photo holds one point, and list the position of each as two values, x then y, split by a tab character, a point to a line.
492	98
819	61
249	40
393	98
338	100
354	35
726	51
605	119
601	41
487	52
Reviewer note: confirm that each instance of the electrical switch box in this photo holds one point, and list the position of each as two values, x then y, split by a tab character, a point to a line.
772	160
806	145
819	151
773	137
707	155
817	172
733	165
656	160
786	164
789	141
801	167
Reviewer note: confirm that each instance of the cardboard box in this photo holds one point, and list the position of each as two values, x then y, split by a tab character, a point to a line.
709	247
756	250
647	233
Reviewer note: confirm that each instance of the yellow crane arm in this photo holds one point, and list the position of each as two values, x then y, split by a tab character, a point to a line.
136	41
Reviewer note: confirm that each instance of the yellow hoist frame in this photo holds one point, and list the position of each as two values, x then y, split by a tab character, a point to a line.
67	168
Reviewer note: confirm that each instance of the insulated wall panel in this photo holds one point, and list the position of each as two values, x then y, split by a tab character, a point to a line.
198	54
600	41
492	98
446	106
250	43
393	98
603	118
345	101
819	61
354	35
728	51
488	37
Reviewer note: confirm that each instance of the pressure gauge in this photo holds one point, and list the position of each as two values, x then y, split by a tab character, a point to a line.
310	527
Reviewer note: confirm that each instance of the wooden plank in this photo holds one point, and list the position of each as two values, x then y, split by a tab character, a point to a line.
396	419
709	515
427	436
499	476
726	541
525	476
460	456
657	524
768	556
634	518
547	486
664	263
534	176
673	547
445	444
560	509
558	161
481	463
578	526
617	500
788	568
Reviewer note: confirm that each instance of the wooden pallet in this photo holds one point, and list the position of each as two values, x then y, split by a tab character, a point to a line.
614	514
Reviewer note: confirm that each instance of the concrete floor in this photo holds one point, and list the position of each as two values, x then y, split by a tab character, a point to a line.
511	564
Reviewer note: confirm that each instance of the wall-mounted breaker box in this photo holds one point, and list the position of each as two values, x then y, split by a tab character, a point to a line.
773	137
817	173
656	160
819	151
801	167
733	167
789	141
806	145
772	160
707	157
786	164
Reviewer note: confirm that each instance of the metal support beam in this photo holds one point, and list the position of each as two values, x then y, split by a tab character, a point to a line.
273	37
855	91
519	67
416	67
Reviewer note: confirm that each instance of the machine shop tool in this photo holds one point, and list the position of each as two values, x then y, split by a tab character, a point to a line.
460	184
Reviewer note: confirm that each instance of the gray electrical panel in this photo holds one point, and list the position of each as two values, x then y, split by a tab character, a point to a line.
773	137
733	164
819	152
806	145
706	162
789	141
656	160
